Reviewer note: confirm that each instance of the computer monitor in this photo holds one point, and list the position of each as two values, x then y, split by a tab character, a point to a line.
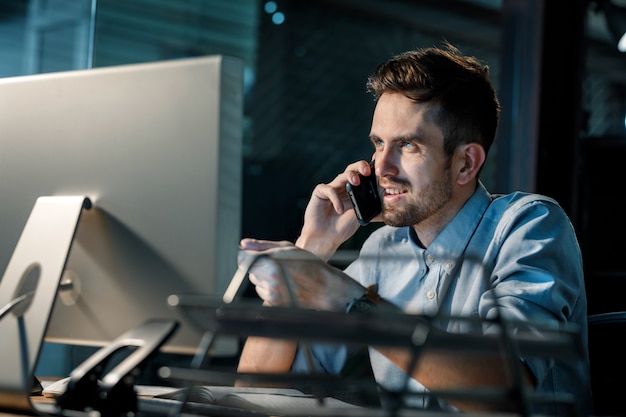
157	147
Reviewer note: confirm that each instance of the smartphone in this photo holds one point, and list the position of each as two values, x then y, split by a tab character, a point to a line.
365	198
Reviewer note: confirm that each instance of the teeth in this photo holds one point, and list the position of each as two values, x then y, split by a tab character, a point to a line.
393	191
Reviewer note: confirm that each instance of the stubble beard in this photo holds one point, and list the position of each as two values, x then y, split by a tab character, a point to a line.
421	206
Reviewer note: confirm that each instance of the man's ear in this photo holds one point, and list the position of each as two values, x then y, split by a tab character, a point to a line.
470	157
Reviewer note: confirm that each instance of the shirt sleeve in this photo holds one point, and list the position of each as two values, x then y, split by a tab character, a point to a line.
538	276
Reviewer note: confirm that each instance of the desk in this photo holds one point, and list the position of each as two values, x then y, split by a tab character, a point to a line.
35	399
367	413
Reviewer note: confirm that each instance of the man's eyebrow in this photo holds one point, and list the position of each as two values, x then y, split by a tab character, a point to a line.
403	138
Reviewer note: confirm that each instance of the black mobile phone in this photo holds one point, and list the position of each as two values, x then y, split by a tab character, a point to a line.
365	198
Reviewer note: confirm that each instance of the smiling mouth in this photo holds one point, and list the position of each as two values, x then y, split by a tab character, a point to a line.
394	191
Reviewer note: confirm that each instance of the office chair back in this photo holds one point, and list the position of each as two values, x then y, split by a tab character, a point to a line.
607	358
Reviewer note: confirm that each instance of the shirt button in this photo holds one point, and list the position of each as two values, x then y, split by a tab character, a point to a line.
429	258
449	266
430	294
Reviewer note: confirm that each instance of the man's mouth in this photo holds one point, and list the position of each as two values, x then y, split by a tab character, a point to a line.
393	191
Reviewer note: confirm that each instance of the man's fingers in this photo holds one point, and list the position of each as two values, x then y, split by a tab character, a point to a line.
263	245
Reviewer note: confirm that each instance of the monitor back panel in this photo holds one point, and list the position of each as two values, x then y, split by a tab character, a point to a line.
157	148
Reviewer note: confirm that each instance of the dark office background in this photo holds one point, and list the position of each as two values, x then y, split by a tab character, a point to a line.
561	80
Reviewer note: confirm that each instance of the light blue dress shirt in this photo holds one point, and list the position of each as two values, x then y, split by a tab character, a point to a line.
521	245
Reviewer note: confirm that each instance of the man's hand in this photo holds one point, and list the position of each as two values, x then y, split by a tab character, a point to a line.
329	218
285	275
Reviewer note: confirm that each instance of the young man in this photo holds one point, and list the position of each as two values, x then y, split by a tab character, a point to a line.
448	246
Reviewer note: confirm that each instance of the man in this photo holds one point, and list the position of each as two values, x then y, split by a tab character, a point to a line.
448	247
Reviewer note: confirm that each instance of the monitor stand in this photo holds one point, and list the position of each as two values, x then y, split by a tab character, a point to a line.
28	290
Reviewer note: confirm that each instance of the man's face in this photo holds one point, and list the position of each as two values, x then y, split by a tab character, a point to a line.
413	171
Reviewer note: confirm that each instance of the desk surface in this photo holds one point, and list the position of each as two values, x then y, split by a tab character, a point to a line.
35	399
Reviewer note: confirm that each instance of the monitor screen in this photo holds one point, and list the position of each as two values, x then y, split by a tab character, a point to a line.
157	149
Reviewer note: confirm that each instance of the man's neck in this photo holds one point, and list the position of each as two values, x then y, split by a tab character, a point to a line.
428	230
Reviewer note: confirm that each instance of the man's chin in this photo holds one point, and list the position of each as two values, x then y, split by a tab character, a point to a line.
391	218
